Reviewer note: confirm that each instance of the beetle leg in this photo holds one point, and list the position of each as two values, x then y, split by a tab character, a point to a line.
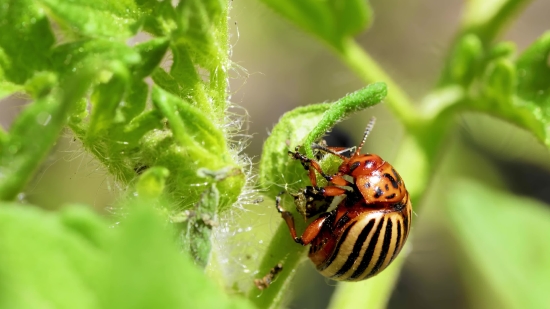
339	180
333	191
308	163
289	219
313	230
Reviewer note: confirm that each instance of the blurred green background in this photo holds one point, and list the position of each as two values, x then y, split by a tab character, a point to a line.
278	68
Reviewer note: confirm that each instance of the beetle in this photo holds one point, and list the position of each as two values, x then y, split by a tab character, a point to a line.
370	221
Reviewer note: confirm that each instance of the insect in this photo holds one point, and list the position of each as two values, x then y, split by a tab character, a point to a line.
266	281
370	221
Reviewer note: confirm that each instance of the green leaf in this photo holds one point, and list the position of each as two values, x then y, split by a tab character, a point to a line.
152	182
43	251
191	144
77	117
100	18
465	61
46	117
499	82
25	41
166	81
520	91
105	102
7	89
487	18
139	126
151	54
277	169
160	19
192	129
278	172
504	239
482	23
302	127
533	68
135	265
202	25
41	84
184	73
331	21
148	271
197	228
134	101
183	80
105	54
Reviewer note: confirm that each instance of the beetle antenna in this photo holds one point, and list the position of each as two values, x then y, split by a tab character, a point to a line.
369	127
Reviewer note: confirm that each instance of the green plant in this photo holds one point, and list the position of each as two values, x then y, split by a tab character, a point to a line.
171	144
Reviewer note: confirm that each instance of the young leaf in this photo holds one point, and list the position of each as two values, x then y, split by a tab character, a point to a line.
7	88
25	41
197	227
152	182
465	62
191	144
203	24
134	101
23	152
159	17
105	102
351	103
151	53
138	127
504	238
520	92
302	127
487	18
533	67
110	55
41	84
332	21
99	18
198	133
277	169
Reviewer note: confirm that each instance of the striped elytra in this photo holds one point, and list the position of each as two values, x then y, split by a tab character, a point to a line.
368	227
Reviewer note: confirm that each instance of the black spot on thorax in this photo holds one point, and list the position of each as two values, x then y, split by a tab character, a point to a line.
378	192
354	166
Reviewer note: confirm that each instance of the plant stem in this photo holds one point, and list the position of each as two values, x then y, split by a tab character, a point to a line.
3	137
369	71
274	295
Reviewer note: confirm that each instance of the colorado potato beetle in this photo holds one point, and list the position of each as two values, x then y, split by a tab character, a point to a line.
371	220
